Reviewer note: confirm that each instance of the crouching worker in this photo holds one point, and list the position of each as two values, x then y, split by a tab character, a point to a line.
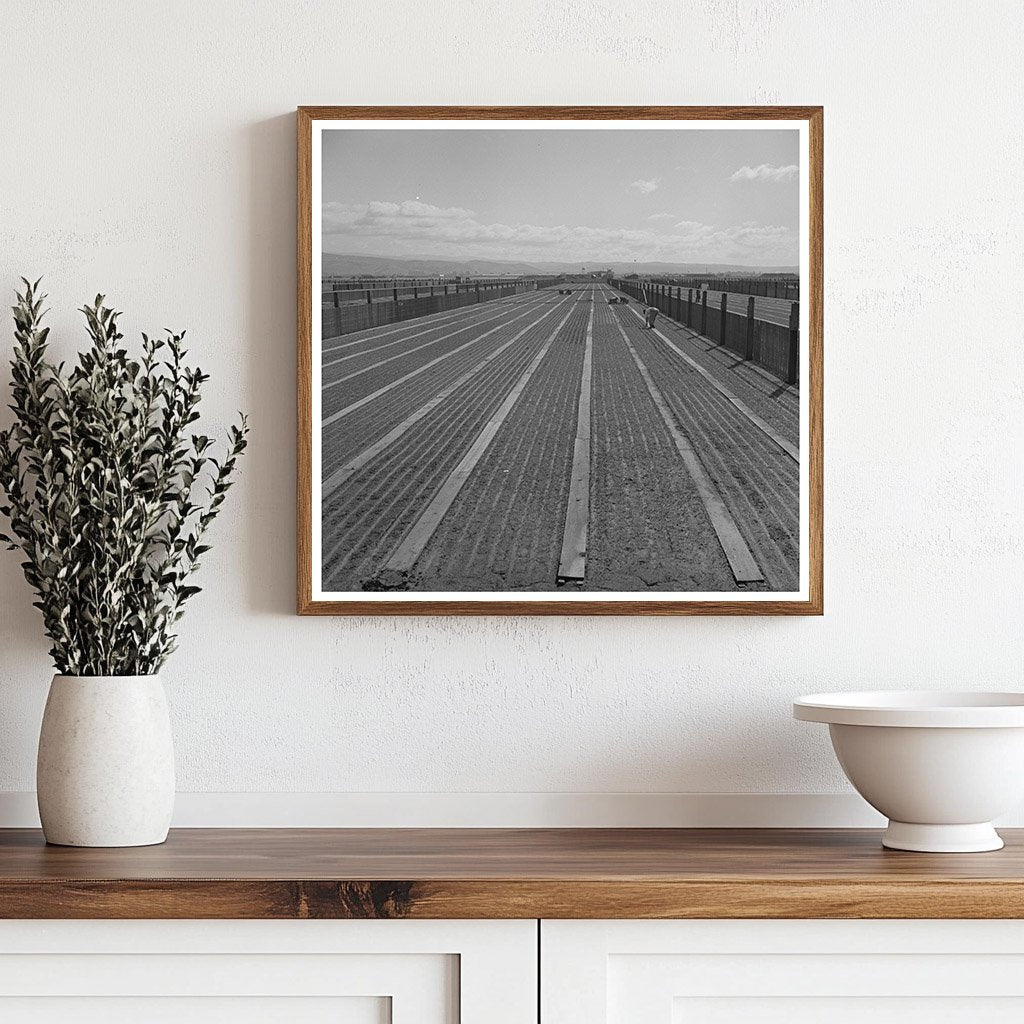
651	315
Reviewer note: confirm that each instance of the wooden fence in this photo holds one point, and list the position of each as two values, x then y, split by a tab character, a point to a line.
773	346
343	313
769	288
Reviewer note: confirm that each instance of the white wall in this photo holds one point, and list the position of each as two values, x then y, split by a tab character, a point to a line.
148	152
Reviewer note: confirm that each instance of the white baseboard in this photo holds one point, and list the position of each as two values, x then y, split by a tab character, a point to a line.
503	810
494	810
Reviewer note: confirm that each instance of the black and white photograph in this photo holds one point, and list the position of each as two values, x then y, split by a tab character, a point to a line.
559	360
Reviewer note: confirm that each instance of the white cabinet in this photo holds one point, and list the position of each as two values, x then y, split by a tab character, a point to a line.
782	972
258	972
486	972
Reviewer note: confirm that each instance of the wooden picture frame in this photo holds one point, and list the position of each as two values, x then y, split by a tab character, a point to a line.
807	601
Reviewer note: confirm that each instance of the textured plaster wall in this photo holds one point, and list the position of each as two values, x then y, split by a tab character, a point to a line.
148	152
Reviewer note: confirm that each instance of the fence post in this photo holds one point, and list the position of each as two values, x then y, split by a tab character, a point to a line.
369	297
478	291
334	295
749	353
704	314
689	307
794	344
725	314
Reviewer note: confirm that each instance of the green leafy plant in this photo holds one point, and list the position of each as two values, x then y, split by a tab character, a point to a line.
109	495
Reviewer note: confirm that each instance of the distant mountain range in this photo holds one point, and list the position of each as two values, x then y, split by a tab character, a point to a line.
354	265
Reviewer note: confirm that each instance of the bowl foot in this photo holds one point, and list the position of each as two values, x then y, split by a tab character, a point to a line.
980	838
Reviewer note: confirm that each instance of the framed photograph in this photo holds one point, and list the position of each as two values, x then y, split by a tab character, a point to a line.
560	360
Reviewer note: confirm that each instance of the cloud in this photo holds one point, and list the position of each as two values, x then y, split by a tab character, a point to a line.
765	172
410	215
662	216
645	186
412	228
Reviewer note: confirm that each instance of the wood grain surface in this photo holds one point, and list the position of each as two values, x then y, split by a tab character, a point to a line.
508	873
813	289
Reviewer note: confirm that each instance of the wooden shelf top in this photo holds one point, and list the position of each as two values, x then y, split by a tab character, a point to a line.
508	873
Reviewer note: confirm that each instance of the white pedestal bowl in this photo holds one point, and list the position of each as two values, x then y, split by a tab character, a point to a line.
940	766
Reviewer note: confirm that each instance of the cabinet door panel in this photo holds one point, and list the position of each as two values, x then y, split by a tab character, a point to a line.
299	972
799	972
190	1010
847	1010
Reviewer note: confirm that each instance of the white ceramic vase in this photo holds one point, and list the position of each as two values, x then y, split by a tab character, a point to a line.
105	771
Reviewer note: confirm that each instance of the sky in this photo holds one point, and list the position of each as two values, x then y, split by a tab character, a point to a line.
588	196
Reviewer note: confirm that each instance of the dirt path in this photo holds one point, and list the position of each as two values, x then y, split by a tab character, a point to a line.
759	483
505	531
649	530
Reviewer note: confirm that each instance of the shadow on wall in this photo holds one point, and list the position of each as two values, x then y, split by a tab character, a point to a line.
21	625
269	302
265	298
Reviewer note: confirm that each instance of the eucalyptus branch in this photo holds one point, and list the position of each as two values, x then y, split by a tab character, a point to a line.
108	494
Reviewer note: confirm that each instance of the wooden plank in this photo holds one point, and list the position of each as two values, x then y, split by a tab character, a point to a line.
741	561
793	367
566	112
404	556
304	424
335	416
815	357
572	564
453	899
824	856
353	465
401	355
508	873
513	607
766	428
